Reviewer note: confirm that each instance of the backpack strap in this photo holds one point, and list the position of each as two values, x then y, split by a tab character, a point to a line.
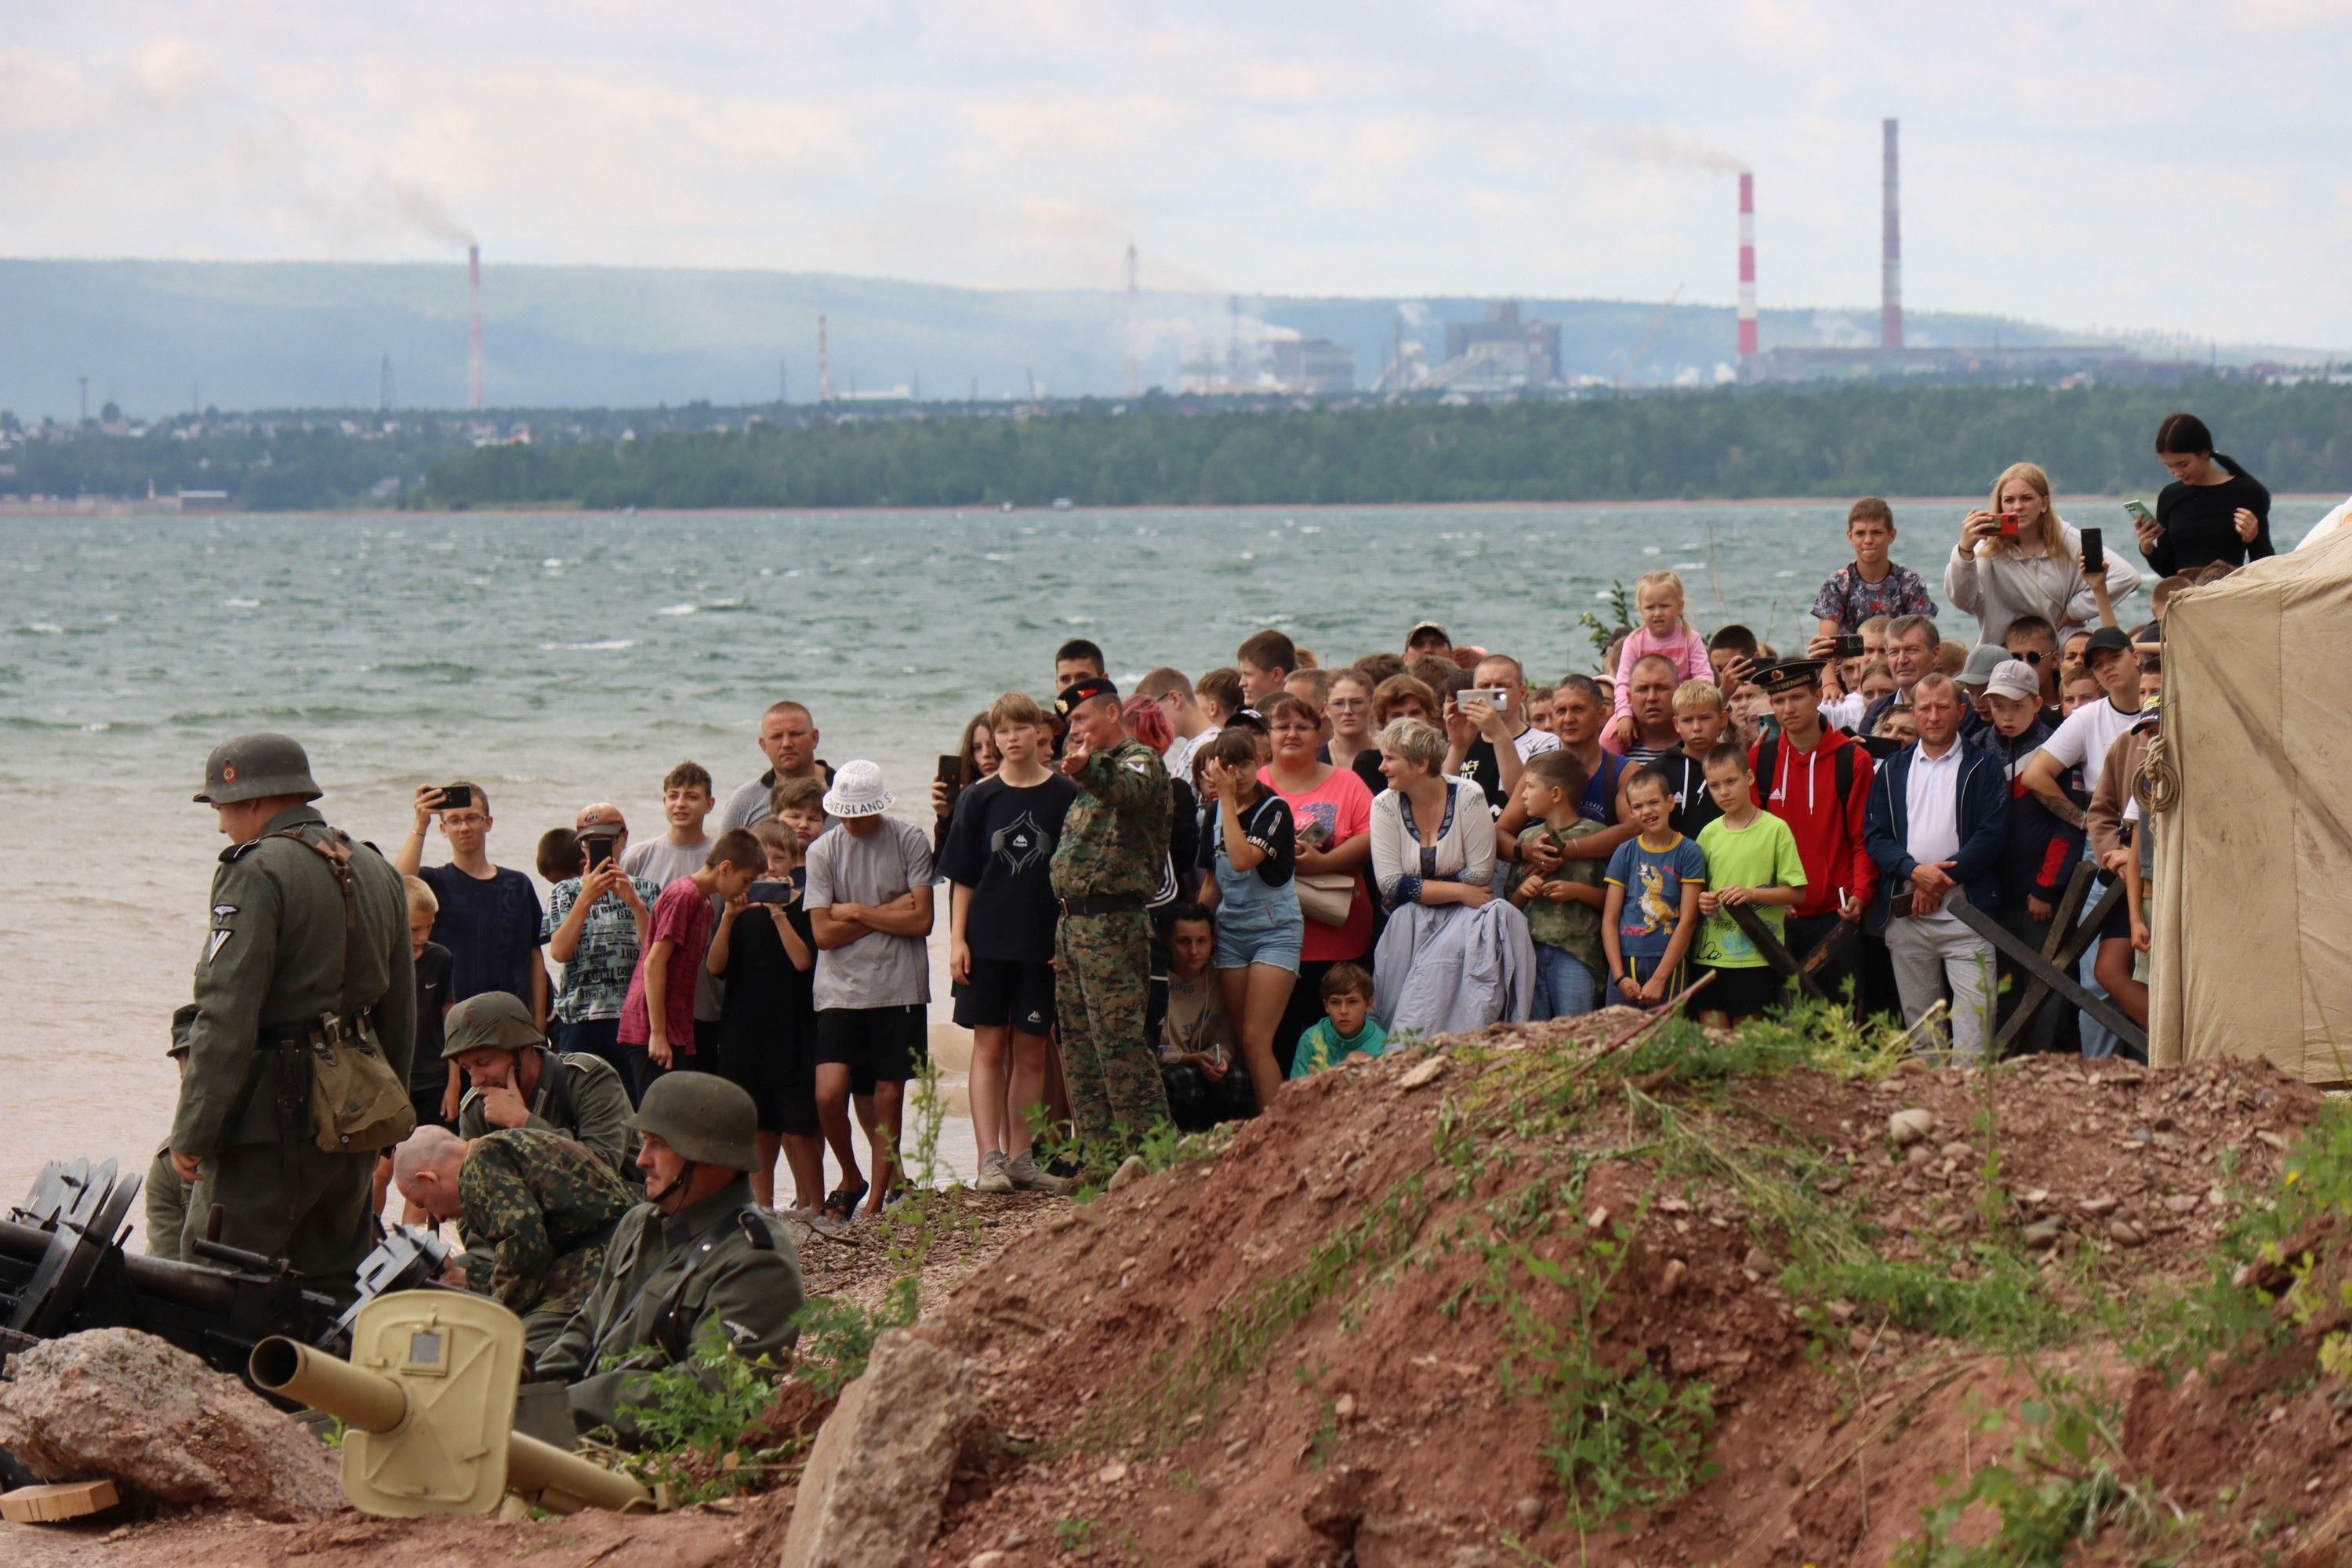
337	854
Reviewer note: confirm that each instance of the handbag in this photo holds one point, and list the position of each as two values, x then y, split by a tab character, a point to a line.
1326	896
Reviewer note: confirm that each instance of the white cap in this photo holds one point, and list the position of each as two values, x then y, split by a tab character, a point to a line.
857	791
2013	677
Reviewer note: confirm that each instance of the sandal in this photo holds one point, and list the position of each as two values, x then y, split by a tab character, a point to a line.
842	1202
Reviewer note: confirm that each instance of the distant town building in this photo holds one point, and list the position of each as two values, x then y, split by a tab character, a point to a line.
1313	364
1504	345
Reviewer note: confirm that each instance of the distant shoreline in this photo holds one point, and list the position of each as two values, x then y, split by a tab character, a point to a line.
140	508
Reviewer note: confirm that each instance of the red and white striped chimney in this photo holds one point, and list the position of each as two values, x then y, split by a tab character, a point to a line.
474	327
1747	265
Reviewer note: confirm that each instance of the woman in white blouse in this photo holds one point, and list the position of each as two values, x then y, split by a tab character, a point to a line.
1453	958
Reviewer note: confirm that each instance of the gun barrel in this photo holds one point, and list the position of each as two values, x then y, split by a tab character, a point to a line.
369	1401
566	1483
189	1284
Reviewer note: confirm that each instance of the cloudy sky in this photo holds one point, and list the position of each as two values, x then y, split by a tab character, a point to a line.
2153	165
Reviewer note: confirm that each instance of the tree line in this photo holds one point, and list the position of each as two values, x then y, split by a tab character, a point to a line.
1726	443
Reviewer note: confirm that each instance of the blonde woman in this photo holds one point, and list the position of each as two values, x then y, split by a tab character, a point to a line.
2018	557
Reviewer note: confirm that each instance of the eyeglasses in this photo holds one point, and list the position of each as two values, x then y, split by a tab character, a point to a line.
465	819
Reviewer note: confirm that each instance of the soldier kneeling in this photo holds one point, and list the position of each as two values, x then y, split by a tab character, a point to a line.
536	1210
698	1259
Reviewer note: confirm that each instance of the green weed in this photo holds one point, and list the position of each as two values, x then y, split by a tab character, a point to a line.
703	1425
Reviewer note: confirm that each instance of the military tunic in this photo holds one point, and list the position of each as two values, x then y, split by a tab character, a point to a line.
167	1209
580	1097
537	1209
750	1294
1114	847
274	957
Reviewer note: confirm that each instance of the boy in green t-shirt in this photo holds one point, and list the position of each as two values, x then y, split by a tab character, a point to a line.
1751	859
1563	907
1347	1028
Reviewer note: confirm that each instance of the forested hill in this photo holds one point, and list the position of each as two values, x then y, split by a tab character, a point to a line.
1731	444
1704	445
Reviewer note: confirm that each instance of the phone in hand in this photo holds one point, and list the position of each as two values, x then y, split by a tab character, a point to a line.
2008	525
951	773
1853	647
598	847
457	797
779	890
2139	513
1495	696
2095	551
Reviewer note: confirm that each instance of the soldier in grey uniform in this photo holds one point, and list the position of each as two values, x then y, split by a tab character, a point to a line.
516	1081
698	1259
297	962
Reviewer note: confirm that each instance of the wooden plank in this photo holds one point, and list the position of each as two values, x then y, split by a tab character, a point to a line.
54	1503
2044	971
2061	951
1752	925
1830	948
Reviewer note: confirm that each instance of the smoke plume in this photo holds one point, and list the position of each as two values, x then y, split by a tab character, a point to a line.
1661	149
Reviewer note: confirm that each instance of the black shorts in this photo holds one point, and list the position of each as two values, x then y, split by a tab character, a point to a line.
783	1088
427	1102
1738	993
877	1045
1007	993
2118	925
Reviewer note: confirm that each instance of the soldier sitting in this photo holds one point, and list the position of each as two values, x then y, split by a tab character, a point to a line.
697	1262
517	1082
536	1210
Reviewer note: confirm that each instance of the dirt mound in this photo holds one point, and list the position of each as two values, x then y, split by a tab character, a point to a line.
1688	1287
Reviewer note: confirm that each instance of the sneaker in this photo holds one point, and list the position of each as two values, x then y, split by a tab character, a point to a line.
1028	1176
995	1173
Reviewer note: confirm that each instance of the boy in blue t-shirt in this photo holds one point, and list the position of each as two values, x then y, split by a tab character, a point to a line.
1347	1029
1655	880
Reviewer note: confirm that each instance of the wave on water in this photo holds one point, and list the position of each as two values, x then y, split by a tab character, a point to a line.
678	610
41	629
610	644
242	604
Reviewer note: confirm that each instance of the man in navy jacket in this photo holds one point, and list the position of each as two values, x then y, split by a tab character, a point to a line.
1936	822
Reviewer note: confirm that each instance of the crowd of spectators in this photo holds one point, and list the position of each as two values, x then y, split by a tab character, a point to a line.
1166	905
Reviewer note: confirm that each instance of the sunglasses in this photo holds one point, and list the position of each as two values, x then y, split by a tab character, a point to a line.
2030	657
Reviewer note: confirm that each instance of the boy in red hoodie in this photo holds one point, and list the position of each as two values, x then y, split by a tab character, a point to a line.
1817	780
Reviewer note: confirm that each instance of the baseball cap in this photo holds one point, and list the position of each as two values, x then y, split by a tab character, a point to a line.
2013	677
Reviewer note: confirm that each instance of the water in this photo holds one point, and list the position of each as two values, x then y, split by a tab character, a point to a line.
560	659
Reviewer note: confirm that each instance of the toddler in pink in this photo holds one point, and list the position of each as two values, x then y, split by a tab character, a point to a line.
1658	600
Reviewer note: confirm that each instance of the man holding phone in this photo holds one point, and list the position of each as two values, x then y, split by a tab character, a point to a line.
1488	739
595	926
491	918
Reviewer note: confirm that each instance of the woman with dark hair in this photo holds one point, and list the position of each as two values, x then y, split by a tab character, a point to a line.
978	761
1259	928
2212	510
1398	697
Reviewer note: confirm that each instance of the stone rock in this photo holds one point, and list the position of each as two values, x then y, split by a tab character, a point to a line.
2125	1233
161	1424
1131	1169
2041	1235
878	1478
1423	1073
1905	1128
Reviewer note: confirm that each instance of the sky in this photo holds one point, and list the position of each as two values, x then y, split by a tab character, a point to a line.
2151	167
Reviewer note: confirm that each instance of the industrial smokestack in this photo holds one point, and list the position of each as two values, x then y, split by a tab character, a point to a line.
1134	326
824	365
1890	306
474	327
1747	266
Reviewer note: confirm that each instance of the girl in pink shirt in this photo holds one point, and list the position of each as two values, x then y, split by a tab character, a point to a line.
1658	598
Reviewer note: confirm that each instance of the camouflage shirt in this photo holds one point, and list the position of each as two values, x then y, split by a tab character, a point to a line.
1115	839
540	1209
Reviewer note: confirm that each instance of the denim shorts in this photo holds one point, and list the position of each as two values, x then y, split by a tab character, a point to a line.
1239	945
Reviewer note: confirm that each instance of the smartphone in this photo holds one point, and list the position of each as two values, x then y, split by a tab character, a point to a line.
457	797
2139	512
1853	647
778	890
951	773
2095	550
599	847
1494	696
2007	525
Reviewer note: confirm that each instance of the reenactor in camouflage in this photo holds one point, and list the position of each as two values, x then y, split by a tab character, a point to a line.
166	1194
536	1210
516	1081
306	958
696	1263
1108	865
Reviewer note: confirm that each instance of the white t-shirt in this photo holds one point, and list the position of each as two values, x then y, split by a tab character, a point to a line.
2083	739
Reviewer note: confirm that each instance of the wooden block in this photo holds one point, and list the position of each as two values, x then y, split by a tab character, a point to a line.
61	1500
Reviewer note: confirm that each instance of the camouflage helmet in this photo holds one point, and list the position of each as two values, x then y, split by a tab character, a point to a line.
706	1117
489	1020
250	767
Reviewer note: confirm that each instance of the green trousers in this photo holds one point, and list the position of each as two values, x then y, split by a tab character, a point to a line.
314	1209
1102	964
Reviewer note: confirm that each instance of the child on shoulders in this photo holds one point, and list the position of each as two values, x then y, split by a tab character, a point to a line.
1658	598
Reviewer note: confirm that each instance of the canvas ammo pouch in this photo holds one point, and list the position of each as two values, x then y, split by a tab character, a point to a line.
358	1104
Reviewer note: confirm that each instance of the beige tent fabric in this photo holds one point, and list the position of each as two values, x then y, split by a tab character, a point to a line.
2252	901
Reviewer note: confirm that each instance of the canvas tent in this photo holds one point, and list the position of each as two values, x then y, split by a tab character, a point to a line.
2253	902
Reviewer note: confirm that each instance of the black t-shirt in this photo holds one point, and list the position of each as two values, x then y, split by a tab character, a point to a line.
1268	824
2200	526
491	928
1366	765
1695	805
770	1009
1000	846
425	1069
1481	768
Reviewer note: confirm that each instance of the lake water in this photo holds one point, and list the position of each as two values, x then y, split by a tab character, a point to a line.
562	658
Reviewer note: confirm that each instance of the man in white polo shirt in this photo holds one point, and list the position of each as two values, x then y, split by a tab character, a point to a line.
1936	822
